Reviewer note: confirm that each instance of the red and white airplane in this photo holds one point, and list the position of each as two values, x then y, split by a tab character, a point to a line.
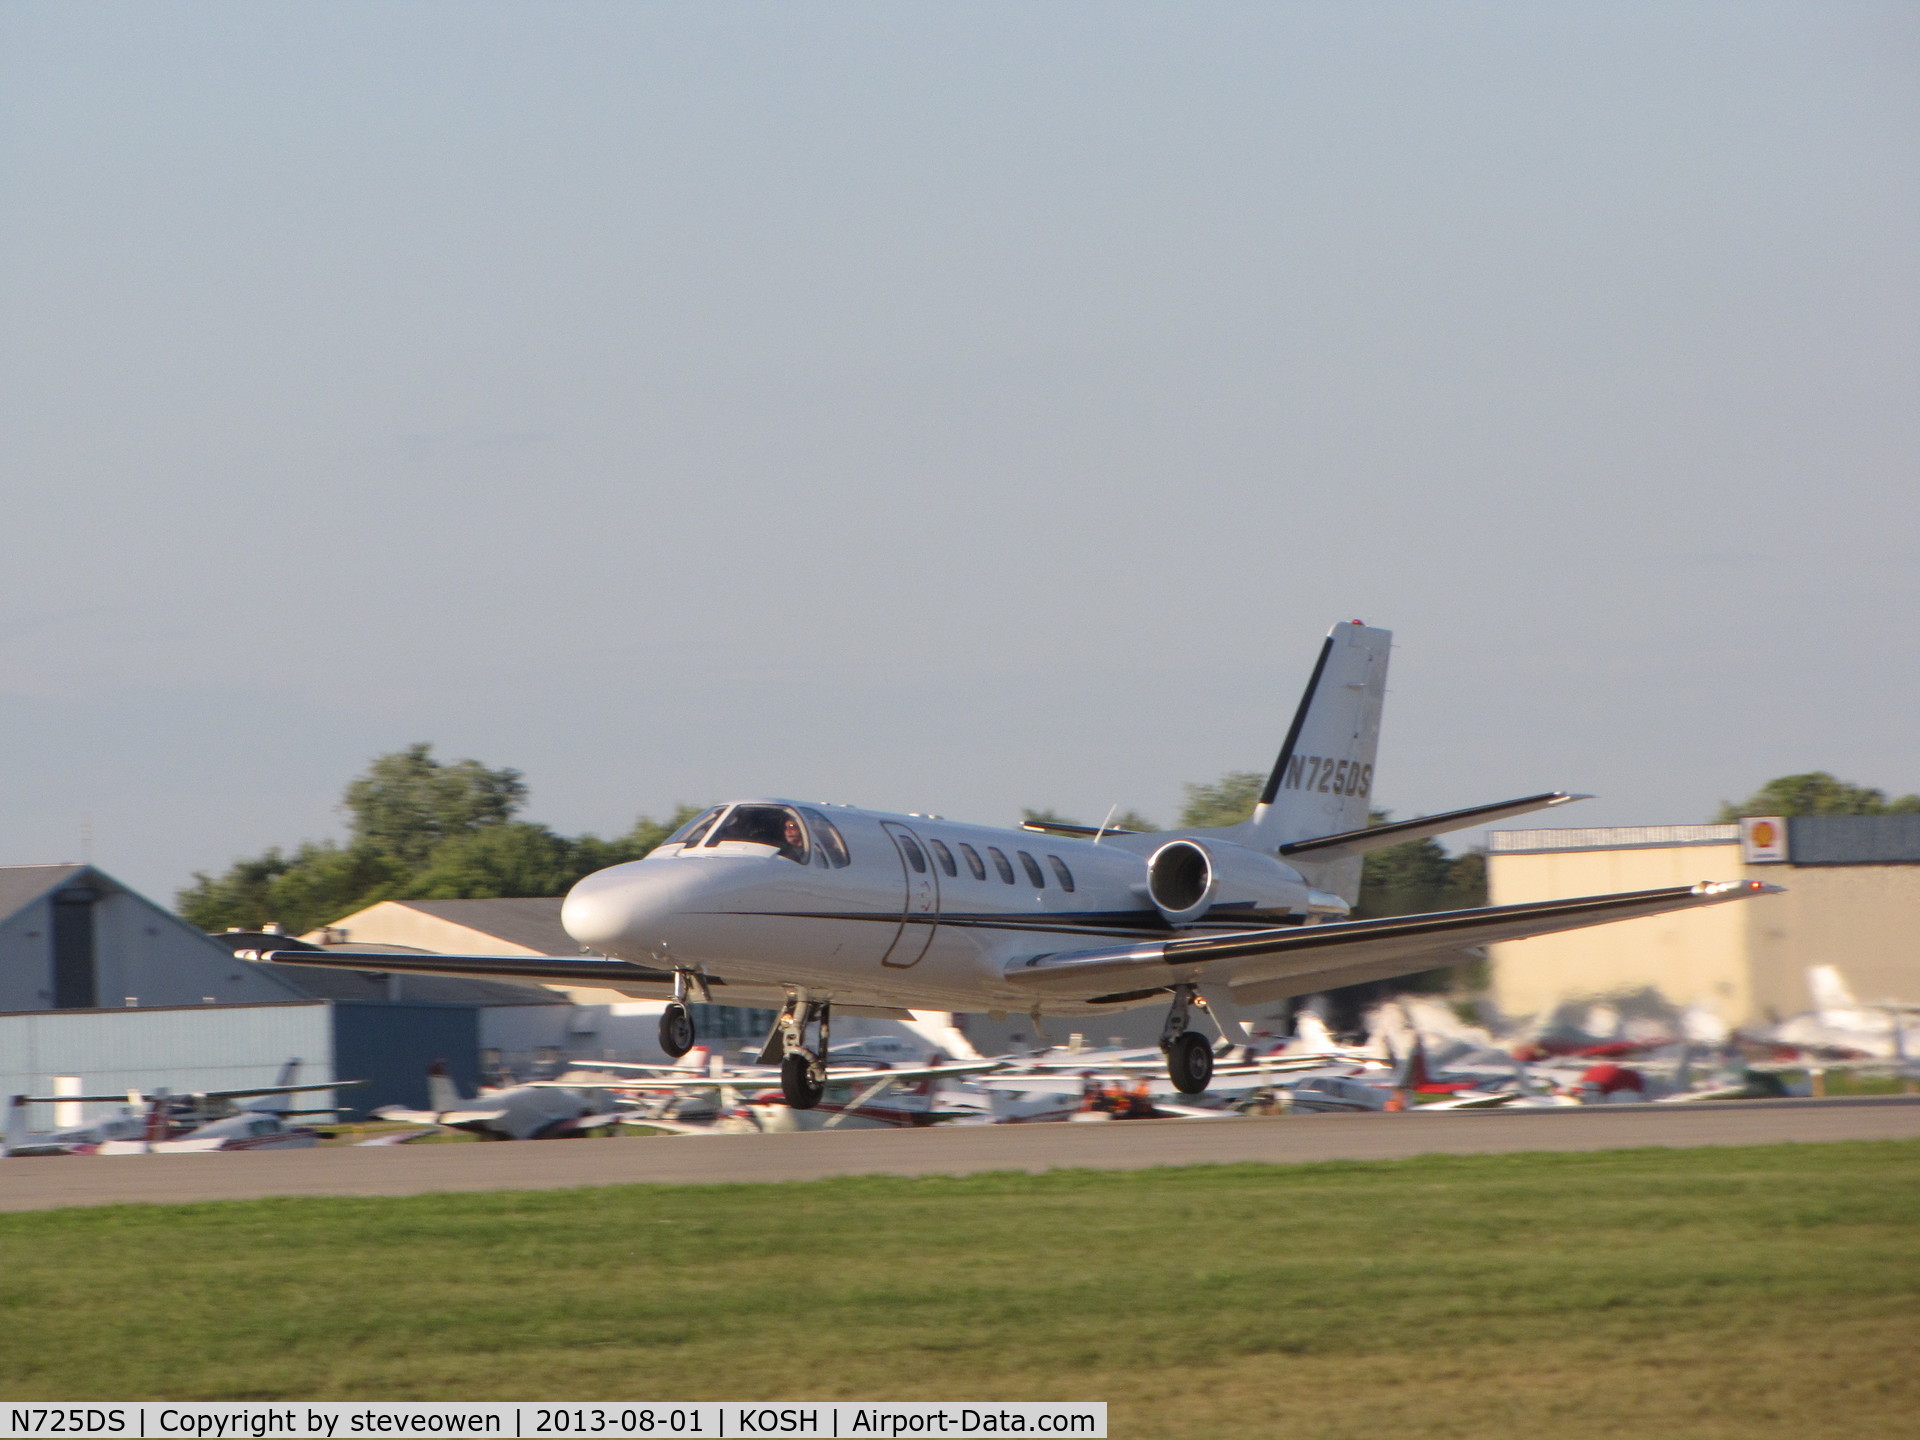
812	906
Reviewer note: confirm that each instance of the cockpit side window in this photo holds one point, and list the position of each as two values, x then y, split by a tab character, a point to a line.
690	833
827	836
773	825
1060	869
1001	863
943	855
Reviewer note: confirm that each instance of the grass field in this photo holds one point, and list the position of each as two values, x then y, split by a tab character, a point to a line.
1709	1293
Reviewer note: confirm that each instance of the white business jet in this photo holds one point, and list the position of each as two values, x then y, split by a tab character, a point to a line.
812	906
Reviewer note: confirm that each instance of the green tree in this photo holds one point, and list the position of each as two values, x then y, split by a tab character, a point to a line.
408	802
1227	801
419	829
1816	793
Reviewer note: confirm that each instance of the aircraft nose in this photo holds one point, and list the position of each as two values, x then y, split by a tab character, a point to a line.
626	911
600	911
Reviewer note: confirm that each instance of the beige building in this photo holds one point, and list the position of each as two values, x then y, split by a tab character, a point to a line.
467	927
1852	901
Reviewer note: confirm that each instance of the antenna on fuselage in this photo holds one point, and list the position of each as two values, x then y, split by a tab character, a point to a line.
1112	810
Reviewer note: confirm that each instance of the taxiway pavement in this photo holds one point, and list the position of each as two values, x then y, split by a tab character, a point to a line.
39	1183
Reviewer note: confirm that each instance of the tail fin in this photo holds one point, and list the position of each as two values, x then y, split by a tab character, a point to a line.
1830	989
159	1117
1323	779
15	1134
442	1093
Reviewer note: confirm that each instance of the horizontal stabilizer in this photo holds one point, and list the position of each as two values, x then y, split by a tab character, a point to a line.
1398	832
1063	827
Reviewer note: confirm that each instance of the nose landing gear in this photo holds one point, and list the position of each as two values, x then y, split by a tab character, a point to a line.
803	1071
676	1021
676	1029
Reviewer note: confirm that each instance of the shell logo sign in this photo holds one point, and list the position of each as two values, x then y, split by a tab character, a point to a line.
1763	840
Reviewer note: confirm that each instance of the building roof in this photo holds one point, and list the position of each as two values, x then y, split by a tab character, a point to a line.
531	924
1811	839
1610	837
1853	840
21	885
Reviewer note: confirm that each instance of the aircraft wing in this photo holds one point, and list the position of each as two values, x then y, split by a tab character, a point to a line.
1259	966
747	1080
638	980
126	1096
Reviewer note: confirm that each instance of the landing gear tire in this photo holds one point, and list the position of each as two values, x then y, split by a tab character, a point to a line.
676	1030
803	1092
1190	1062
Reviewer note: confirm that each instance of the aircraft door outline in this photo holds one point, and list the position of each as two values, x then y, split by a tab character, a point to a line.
920	896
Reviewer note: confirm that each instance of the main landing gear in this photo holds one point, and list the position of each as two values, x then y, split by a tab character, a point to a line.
676	1021
1189	1056
803	1070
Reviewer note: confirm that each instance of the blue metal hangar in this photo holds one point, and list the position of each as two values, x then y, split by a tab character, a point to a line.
102	990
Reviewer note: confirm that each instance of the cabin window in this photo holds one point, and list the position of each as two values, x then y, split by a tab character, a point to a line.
1001	863
1032	867
974	862
944	856
827	836
916	857
1060	869
771	825
690	833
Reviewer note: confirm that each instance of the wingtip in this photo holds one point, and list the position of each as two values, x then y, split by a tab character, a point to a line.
1567	797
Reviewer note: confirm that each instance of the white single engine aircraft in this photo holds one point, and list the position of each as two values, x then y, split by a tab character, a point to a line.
812	906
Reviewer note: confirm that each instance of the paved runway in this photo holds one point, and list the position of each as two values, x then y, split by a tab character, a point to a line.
46	1183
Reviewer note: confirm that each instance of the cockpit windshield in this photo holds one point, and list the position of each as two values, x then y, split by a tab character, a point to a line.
773	825
690	833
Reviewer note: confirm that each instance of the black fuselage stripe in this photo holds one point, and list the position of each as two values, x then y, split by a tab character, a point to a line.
1299	723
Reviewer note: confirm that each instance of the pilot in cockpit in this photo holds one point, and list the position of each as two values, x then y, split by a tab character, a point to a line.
793	840
767	825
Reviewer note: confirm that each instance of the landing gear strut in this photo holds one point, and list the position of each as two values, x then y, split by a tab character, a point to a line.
803	1071
1189	1056
676	1021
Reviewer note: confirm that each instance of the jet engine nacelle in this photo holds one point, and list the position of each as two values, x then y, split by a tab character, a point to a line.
1187	878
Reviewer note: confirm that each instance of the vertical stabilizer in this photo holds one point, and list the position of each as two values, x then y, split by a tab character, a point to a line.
16	1125
442	1094
1322	782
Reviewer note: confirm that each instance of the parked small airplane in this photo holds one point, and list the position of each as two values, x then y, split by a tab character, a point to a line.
873	1096
135	1123
520	1112
247	1130
812	906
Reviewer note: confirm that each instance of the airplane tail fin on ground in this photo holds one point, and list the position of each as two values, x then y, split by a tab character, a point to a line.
16	1125
1323	779
159	1117
277	1104
1830	989
442	1093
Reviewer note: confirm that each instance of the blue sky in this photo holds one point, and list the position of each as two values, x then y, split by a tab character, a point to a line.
945	407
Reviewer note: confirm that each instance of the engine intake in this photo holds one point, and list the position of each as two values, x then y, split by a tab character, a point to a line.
1180	880
1188	879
